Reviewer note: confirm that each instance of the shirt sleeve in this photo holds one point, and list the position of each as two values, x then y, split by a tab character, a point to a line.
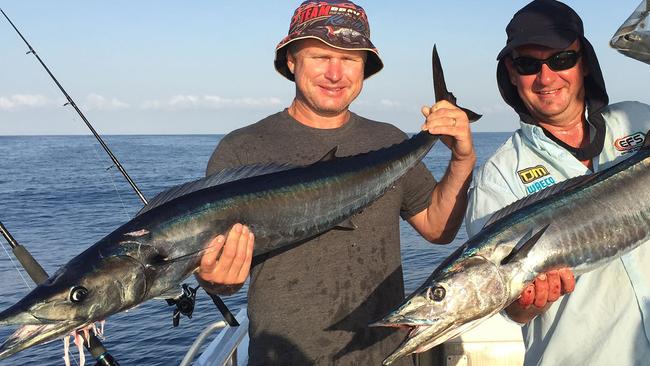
418	187
489	192
225	155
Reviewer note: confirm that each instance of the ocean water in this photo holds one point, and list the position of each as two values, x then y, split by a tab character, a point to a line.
60	194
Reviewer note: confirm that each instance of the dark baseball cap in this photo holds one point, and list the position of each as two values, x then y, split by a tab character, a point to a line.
339	24
548	23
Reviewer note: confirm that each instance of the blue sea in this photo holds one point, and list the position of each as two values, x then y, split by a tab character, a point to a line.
60	194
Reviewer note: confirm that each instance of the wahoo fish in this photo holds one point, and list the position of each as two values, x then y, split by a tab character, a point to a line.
581	223
633	37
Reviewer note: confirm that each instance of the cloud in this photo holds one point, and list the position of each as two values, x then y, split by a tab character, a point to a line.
101	103
390	103
182	102
178	102
21	101
34	101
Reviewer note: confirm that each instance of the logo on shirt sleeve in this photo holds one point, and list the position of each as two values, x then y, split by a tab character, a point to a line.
630	143
536	178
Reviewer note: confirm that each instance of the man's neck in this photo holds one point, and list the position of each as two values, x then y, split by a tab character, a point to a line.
311	118
574	133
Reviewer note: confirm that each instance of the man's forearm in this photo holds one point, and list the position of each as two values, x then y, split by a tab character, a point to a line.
449	198
440	222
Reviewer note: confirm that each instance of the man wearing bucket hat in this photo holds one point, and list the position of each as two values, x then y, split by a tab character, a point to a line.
549	74
312	304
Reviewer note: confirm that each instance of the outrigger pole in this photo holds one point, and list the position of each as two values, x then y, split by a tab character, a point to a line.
38	275
74	105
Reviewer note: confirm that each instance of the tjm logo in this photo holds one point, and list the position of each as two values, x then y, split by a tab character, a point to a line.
529	175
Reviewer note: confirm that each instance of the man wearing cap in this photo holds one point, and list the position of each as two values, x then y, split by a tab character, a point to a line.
312	304
549	74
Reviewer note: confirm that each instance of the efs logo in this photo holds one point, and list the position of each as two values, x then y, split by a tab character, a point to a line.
629	143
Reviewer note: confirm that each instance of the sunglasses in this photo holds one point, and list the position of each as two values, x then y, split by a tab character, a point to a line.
563	60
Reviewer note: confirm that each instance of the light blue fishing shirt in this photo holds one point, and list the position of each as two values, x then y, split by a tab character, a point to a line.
606	320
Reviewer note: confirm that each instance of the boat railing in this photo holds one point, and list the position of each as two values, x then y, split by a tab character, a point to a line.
228	348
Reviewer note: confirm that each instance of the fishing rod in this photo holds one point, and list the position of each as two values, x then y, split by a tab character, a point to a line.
74	105
182	301
39	276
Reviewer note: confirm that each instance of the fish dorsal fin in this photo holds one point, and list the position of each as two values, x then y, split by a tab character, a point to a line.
524	246
220	177
331	155
538	196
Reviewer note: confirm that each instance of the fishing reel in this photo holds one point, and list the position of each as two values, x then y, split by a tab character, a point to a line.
184	303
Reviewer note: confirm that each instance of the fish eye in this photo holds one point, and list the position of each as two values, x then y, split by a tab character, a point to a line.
78	294
437	293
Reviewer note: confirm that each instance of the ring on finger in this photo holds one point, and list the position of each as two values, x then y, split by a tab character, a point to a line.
454	124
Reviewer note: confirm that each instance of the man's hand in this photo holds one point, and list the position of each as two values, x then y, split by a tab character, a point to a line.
449	121
539	295
226	263
440	222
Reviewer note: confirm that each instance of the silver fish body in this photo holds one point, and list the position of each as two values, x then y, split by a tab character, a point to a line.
633	37
150	255
586	223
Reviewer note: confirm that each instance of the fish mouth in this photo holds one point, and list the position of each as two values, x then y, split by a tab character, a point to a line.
31	335
15	315
421	319
425	334
419	339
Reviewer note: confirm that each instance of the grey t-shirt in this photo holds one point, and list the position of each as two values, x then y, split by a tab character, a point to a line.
312	304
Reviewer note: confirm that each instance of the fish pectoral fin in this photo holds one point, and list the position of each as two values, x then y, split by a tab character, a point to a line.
346	225
524	246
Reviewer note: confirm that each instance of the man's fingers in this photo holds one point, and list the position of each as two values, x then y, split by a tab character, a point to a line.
567	279
209	258
229	253
527	296
442	104
554	285
541	291
246	266
240	253
227	260
547	288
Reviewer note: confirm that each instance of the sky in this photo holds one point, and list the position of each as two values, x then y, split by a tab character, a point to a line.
206	67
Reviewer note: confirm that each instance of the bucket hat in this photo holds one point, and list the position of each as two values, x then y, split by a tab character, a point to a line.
339	24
